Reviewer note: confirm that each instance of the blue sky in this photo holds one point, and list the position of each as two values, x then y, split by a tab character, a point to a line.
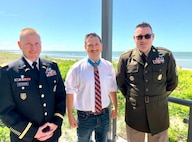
63	24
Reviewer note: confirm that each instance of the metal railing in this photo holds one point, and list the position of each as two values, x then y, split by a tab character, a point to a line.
189	120
172	100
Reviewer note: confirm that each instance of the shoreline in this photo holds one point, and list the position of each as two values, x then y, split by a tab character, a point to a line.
6	57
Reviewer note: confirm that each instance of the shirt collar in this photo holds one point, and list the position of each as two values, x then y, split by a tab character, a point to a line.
30	62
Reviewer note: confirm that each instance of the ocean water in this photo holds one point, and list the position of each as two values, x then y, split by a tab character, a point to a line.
183	59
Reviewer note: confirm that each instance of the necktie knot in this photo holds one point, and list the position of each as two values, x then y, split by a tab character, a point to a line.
143	56
34	64
35	70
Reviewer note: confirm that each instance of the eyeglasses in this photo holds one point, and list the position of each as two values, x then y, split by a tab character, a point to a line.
140	37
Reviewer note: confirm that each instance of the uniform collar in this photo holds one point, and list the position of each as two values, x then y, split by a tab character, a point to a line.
30	62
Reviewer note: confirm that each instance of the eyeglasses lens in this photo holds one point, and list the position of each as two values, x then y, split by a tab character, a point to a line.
140	37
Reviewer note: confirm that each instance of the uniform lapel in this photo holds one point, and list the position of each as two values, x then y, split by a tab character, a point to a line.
152	54
136	56
42	69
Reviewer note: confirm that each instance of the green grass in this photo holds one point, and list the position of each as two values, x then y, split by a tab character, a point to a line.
177	131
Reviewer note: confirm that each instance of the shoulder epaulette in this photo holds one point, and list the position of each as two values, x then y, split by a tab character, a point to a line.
3	65
53	61
127	52
163	49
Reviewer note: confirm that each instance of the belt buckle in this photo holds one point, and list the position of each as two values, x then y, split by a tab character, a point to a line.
146	99
97	113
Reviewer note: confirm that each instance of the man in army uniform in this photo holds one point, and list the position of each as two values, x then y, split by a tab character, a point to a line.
32	94
146	76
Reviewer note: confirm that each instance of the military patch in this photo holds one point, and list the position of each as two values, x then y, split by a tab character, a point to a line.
23	96
50	72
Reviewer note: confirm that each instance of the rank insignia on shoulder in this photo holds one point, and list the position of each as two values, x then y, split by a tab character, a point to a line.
3	65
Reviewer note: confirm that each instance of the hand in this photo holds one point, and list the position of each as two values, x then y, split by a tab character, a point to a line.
72	121
43	135
113	113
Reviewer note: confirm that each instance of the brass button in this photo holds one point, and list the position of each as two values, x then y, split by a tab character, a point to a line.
44	104
45	113
42	95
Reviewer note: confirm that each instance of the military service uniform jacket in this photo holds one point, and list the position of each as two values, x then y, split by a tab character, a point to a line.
27	102
146	87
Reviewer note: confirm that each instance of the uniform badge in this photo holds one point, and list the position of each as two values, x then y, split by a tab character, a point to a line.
54	88
50	72
23	96
132	78
159	60
22	84
159	76
22	78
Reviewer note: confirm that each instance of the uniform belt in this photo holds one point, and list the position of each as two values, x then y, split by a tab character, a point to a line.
95	113
148	99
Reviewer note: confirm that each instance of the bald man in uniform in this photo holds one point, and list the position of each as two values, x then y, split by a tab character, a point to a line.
32	94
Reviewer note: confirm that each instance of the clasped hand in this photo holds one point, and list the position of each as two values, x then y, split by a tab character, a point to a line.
46	131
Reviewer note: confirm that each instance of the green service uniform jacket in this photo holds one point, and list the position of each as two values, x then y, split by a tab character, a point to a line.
26	102
146	87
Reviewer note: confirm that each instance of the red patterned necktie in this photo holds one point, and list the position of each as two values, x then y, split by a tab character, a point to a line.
98	105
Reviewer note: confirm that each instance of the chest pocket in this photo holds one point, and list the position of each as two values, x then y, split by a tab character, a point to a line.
159	73
133	73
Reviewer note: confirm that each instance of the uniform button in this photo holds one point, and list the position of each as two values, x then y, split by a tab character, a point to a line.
22	88
54	81
44	104
45	113
42	95
146	80
146	71
146	89
40	86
